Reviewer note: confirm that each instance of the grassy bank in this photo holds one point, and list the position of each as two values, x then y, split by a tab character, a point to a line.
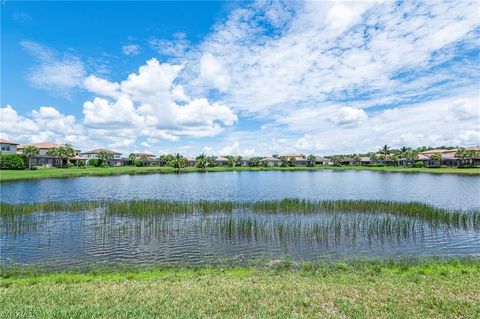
371	289
11	175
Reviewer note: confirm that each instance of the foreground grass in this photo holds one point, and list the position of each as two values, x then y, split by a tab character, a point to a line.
11	175
375	289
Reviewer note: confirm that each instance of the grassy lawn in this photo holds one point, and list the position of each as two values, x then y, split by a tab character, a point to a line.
430	289
8	175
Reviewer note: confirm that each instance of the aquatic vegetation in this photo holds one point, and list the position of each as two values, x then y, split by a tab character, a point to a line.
421	211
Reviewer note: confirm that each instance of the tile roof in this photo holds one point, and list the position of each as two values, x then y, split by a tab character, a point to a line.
42	145
271	159
7	142
97	150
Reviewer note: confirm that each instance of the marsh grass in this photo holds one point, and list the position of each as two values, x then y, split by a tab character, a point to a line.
421	211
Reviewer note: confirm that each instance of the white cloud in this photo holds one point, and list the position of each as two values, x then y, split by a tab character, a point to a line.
147	102
350	116
131	49
463	109
212	71
59	74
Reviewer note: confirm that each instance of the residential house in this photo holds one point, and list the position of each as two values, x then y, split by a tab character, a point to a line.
347	161
365	160
271	161
221	161
323	161
117	159
43	159
191	161
148	159
299	159
244	161
8	147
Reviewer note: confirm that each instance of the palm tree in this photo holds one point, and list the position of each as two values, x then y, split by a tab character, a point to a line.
393	158
311	160
29	152
357	159
437	158
201	161
337	160
385	150
179	162
411	155
105	156
132	157
62	152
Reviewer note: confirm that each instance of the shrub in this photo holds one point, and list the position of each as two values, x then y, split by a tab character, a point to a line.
13	161
138	163
94	162
418	164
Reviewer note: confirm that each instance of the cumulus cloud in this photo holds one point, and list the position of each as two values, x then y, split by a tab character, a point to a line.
212	71
148	101
350	116
55	72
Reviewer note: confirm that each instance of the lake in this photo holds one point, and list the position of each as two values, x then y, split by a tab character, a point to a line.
75	239
442	190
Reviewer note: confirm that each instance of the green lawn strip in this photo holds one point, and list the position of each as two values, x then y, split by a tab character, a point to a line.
430	289
10	175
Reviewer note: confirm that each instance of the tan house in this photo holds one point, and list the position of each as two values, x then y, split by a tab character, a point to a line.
271	161
43	159
8	147
221	161
299	159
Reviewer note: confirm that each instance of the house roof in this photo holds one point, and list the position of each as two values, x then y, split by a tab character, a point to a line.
365	159
439	151
347	159
144	154
473	148
322	159
7	142
97	150
271	159
221	158
42	145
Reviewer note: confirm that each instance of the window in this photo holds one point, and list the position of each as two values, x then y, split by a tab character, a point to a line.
5	147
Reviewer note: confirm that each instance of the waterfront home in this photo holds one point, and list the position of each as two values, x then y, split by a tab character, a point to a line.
191	161
221	161
244	161
347	161
271	161
299	159
365	160
8	147
43	159
323	161
117	159
148	159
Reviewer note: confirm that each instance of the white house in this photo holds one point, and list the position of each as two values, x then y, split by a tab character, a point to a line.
43	159
8	147
271	161
93	154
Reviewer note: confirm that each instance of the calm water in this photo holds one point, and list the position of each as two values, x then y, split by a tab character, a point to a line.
82	238
445	190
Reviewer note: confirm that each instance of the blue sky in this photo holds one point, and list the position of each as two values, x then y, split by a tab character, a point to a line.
241	77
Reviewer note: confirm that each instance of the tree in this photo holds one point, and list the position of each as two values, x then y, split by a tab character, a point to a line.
393	158
179	162
104	157
411	155
337	160
385	150
461	154
201	161
62	152
403	149
311	160
357	159
231	161
132	157
239	160
255	161
437	158
284	160
291	161
211	161
143	159
29	152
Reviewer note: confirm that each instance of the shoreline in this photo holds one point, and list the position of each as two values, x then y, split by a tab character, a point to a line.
420	288
13	175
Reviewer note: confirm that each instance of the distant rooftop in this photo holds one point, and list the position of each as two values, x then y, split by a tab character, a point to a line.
98	150
7	142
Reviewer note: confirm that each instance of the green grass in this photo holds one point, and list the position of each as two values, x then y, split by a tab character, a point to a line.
283	289
11	175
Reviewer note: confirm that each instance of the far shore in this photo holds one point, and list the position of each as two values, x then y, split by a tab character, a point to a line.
12	175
